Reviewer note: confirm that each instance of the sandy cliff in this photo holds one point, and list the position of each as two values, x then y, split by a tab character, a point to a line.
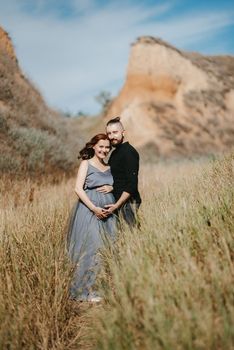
176	103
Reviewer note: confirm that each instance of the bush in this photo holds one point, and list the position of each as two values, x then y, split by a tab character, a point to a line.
3	124
39	148
8	163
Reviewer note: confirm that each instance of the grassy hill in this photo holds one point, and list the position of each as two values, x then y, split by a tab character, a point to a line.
35	140
166	285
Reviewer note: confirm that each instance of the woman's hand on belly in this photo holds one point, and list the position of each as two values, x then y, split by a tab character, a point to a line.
100	212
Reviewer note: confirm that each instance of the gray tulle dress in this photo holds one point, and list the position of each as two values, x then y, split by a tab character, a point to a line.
87	234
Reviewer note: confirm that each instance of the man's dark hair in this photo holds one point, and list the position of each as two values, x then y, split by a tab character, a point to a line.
114	121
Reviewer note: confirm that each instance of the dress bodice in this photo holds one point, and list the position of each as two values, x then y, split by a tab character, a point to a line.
96	177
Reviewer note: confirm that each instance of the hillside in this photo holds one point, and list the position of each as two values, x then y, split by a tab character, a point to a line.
34	138
174	103
167	284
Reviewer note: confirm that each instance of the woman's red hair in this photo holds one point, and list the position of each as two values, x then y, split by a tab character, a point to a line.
88	152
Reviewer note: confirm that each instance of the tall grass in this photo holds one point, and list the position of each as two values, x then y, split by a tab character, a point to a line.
169	284
35	312
166	285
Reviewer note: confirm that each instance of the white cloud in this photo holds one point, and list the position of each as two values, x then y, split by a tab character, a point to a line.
72	59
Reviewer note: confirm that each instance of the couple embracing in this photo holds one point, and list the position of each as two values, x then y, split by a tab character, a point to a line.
106	192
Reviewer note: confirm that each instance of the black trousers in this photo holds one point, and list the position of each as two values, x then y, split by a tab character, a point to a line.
128	212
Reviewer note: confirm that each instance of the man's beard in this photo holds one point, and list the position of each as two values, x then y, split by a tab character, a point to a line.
118	142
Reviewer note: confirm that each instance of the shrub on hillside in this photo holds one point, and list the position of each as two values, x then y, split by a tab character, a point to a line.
38	146
3	124
9	163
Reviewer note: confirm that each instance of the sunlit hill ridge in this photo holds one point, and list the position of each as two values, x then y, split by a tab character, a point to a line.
177	103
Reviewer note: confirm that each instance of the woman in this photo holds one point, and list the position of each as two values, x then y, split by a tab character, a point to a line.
90	224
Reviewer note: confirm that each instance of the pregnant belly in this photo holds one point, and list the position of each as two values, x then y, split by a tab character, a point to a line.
100	199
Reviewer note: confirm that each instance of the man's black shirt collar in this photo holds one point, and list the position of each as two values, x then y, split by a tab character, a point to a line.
120	145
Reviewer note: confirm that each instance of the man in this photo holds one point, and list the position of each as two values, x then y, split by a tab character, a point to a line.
124	163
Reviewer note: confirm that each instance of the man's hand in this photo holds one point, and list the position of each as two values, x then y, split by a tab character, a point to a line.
110	208
105	189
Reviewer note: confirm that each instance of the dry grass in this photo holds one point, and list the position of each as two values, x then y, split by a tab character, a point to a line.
167	285
35	312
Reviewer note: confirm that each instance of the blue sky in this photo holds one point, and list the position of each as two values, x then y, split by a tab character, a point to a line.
73	49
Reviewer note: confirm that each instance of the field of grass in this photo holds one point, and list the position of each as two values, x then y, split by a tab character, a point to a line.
166	285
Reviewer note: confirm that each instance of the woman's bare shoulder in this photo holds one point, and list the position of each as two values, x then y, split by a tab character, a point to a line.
84	163
83	166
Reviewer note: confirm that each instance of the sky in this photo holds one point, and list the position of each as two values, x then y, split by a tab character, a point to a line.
74	49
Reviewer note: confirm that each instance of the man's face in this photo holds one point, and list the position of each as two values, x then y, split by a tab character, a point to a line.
115	134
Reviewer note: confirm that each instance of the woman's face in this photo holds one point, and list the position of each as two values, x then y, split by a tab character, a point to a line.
102	148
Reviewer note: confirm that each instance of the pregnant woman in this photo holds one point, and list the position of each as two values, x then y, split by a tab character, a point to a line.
90	225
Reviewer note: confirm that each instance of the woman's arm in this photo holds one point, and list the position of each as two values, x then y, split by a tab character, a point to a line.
80	180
